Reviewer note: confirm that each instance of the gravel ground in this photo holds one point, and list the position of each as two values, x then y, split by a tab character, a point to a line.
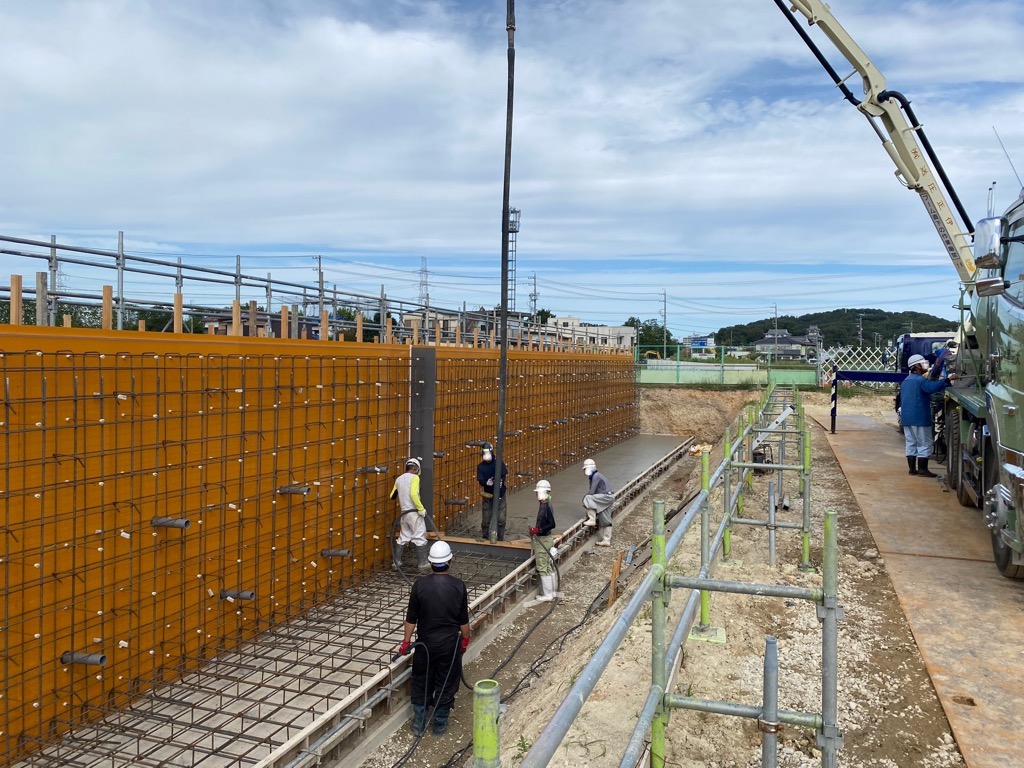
889	713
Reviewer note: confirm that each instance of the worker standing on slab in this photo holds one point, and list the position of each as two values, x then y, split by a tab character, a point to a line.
413	525
439	614
916	414
598	503
543	544
493	501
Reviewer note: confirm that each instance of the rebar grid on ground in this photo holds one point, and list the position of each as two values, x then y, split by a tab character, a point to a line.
243	703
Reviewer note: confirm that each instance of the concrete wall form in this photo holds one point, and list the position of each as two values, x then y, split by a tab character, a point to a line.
273	451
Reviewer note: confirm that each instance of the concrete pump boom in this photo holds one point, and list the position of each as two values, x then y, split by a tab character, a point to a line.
898	136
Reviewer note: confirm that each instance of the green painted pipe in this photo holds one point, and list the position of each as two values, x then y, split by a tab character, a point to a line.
727	494
705	536
486	740
659	603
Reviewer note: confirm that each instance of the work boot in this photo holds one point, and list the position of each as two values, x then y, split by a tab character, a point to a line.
441	720
501	533
606	537
912	463
922	469
399	552
547	588
419	719
422	551
591	520
485	533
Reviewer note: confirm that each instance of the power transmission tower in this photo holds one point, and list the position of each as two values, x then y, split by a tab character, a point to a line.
424	282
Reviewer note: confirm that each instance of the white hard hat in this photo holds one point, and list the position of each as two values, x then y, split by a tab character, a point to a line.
413	463
543	485
590	464
916	360
440	552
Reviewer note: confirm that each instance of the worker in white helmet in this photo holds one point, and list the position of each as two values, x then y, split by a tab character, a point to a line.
413	526
494	508
916	414
543	544
438	612
598	503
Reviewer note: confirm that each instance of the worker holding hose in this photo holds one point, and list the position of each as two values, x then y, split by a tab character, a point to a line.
413	526
543	544
598	503
439	613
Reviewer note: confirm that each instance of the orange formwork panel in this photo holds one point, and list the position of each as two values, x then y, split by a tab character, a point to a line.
167	497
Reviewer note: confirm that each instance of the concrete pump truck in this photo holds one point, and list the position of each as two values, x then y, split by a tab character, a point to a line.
983	427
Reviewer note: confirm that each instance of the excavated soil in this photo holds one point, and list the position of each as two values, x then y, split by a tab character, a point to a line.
888	710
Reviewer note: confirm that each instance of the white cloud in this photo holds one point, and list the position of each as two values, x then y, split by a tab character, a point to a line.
652	138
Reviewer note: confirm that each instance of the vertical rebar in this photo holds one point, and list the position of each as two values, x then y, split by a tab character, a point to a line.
120	281
772	501
52	294
769	722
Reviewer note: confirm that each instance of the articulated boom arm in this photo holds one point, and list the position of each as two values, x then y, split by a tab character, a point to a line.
899	139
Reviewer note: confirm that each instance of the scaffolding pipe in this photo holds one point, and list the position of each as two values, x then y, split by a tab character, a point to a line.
830	738
659	603
486	736
805	564
765	523
705	550
810	720
771	524
768	723
813	594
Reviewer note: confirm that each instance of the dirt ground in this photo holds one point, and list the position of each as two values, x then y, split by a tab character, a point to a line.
888	710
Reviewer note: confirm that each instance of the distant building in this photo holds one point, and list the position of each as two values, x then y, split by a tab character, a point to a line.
566	330
780	345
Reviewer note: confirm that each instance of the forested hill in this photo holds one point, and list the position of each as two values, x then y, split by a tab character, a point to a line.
839	327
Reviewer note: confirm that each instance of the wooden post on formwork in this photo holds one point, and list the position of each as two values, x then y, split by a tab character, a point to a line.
437	333
387	331
415	330
108	308
15	318
293	328
42	306
325	328
236	318
142	324
179	319
359	326
614	583
476	338
66	320
253	319
490	339
284	321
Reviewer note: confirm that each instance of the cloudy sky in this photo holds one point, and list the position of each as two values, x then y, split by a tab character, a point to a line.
684	156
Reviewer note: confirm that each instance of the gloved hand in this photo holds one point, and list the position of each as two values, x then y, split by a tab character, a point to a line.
463	644
403	649
535	531
490	481
553	552
421	512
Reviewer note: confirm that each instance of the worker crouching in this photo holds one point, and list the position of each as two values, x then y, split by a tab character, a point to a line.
439	614
598	503
543	544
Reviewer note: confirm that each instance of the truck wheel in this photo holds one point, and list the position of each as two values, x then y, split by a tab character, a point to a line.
1001	552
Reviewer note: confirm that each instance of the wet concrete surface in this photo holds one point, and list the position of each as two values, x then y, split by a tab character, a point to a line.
965	616
619	463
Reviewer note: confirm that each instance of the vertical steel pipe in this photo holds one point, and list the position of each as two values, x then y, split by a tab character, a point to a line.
727	493
659	602
772	501
805	534
486	734
769	722
705	536
830	739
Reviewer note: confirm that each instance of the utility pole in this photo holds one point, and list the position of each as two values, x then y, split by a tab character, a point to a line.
860	330
664	325
775	309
